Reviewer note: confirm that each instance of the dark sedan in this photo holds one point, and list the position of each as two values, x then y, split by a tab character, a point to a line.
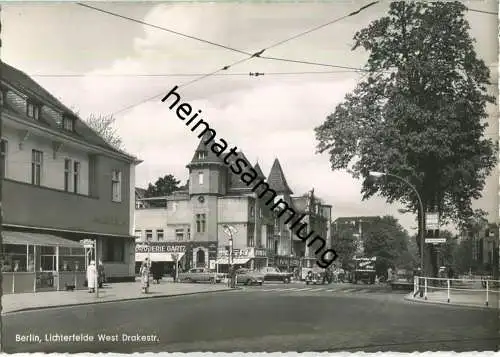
274	274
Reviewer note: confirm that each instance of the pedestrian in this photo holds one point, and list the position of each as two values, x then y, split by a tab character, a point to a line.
144	273
233	276
100	274
91	276
174	275
450	274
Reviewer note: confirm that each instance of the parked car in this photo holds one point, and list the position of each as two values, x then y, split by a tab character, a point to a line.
315	278
198	275
274	274
249	277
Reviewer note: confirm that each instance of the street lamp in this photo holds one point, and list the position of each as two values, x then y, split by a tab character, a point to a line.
229	231
377	174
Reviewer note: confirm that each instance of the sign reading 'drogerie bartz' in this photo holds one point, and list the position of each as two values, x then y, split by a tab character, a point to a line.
160	248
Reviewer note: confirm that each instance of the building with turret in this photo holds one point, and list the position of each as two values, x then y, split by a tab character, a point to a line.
193	222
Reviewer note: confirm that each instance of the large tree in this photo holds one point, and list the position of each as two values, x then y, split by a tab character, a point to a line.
386	239
345	242
164	186
418	114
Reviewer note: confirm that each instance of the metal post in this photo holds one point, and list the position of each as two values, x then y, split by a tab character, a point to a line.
486	292
448	287
96	270
34	268
57	267
415	284
425	288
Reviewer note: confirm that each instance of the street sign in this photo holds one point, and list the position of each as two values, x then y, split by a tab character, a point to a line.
431	221
435	240
87	243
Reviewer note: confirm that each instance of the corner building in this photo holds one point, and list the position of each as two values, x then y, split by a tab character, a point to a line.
194	217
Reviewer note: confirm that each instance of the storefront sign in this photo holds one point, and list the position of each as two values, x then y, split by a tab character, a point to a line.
159	247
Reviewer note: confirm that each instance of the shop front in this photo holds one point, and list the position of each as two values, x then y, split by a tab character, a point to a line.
251	258
186	254
287	263
35	262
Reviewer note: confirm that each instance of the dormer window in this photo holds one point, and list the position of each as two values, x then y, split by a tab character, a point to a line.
68	124
201	155
33	110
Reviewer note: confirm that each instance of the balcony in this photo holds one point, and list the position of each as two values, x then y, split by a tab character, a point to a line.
35	206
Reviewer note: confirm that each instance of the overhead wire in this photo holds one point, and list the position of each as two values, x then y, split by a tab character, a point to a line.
254	55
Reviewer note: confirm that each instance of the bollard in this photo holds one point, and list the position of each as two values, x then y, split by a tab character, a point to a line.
486	292
425	288
448	288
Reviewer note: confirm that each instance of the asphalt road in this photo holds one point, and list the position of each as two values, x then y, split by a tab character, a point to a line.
254	320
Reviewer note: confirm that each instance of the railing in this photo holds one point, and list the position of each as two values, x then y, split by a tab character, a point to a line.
475	290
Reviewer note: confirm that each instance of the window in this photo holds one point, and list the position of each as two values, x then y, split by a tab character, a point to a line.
188	234
68	124
33	111
252	211
36	167
200	178
201	155
159	234
116	183
67	175
149	235
76	176
251	232
179	234
113	250
201	223
138	235
3	157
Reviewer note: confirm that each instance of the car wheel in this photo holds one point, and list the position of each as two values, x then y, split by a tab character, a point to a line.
211	280
260	283
286	280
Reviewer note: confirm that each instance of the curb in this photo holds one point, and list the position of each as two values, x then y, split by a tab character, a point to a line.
27	309
442	303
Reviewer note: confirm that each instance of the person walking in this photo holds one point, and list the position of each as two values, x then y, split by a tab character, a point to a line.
233	276
91	276
144	273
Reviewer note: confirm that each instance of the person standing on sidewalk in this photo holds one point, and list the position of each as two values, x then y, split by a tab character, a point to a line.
232	275
91	276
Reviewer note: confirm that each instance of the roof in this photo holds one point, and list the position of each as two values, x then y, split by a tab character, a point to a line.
27	86
210	155
24	238
235	181
300	203
277	179
141	192
259	172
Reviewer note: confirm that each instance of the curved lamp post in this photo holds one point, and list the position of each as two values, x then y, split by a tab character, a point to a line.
422	213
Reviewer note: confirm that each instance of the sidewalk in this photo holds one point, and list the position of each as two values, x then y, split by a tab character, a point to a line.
110	292
458	298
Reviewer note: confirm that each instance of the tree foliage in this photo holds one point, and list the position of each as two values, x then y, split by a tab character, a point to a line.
345	245
419	113
104	125
386	239
164	186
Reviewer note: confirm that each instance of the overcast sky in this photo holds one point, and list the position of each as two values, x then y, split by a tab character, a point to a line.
267	117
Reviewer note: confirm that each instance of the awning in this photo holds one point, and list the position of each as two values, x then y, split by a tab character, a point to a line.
235	260
158	257
48	240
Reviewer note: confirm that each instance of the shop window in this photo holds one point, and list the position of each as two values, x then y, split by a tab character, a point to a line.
113	250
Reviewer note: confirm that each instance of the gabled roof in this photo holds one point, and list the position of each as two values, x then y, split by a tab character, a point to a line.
140	192
234	181
210	155
21	82
300	203
277	179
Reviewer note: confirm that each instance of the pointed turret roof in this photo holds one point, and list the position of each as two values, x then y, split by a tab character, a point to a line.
209	156
235	182
259	172
277	180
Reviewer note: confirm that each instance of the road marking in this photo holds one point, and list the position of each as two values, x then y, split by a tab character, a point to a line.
317	289
294	289
303	289
269	289
348	290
